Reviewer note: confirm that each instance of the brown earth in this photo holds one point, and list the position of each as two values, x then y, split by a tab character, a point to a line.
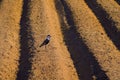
84	43
113	9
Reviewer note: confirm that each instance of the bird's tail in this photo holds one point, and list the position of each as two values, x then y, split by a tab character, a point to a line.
42	44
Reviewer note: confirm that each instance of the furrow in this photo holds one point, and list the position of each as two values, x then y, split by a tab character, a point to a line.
118	1
26	43
84	42
80	54
105	20
96	39
0	2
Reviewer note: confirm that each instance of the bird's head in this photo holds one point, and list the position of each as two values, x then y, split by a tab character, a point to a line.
48	37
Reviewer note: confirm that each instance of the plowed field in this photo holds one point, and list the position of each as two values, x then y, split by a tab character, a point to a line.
84	45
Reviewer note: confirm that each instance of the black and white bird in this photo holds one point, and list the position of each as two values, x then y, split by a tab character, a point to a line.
46	41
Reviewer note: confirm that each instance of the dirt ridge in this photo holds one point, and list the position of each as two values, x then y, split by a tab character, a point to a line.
52	62
9	38
107	23
84	41
95	38
78	50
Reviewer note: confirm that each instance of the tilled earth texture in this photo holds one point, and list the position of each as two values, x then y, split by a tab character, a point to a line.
84	44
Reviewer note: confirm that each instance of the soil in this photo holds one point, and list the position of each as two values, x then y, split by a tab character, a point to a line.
84	42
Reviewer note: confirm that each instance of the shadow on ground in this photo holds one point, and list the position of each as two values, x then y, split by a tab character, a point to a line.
85	63
105	20
118	1
1	1
26	44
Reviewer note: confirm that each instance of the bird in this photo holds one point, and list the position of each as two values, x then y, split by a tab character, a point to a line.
46	41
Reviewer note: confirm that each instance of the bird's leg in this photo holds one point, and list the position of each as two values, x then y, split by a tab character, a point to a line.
45	47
